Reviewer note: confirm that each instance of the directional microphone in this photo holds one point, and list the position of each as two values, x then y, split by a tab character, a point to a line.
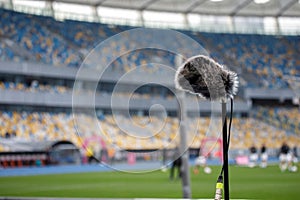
208	79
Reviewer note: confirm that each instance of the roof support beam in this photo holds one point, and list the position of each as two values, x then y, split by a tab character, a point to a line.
193	6
99	3
286	7
144	7
147	4
278	29
239	7
49	7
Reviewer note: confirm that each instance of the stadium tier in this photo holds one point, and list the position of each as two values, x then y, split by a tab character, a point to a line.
284	118
136	133
262	60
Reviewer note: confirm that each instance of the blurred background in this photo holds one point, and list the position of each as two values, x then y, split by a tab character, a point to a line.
43	44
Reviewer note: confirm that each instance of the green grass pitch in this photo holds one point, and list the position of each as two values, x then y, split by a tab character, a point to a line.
245	183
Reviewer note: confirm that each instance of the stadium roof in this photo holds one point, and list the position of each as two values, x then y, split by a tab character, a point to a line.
262	8
277	17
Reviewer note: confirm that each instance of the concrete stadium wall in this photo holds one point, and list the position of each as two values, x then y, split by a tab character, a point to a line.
87	100
43	70
259	93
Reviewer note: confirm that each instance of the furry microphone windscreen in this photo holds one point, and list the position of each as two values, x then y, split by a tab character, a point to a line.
205	77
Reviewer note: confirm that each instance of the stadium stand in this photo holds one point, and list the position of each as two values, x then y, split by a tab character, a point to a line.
63	43
281	117
29	35
261	61
268	57
139	133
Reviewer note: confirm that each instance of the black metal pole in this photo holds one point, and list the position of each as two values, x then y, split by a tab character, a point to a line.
225	152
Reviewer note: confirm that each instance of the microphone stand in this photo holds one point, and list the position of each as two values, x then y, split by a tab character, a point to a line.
225	151
185	175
